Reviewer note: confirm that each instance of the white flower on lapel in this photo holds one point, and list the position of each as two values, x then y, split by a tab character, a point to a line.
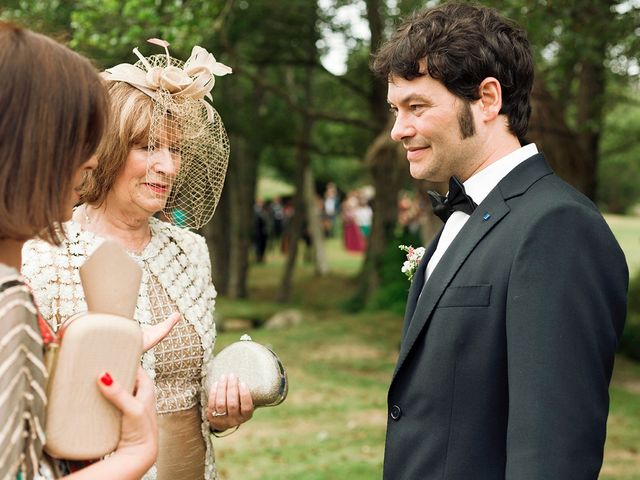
414	256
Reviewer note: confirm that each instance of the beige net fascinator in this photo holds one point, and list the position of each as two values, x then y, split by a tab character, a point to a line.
185	128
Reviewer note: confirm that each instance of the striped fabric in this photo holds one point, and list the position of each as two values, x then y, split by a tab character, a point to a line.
22	380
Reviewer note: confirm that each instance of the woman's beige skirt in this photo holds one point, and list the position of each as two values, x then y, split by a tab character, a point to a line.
182	449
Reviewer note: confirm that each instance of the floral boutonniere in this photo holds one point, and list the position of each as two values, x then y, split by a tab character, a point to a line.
414	255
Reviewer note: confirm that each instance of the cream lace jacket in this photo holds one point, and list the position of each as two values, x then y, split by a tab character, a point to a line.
178	258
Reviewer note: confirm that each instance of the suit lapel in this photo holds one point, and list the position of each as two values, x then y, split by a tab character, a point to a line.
472	232
418	282
476	228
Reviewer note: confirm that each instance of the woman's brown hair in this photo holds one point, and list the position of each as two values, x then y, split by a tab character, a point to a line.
129	125
53	110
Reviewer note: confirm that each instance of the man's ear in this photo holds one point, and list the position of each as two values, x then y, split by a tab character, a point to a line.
490	101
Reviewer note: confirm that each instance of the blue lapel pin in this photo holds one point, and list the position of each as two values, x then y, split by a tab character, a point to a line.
486	216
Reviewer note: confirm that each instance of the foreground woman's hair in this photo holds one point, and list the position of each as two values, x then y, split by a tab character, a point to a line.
56	96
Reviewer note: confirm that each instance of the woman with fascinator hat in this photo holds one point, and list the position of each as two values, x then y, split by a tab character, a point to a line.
165	153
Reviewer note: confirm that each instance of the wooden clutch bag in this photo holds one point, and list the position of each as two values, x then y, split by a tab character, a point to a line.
81	424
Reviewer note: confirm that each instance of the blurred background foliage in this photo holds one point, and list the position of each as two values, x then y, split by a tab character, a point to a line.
293	120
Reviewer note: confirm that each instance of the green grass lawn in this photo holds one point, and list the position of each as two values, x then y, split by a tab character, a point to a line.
332	425
627	231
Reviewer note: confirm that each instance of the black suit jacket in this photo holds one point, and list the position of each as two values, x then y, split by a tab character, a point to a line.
507	352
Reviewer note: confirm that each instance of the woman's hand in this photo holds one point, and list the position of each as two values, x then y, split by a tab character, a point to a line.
138	446
139	434
230	403
153	335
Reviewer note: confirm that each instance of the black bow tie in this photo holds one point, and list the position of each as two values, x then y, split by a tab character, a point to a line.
456	201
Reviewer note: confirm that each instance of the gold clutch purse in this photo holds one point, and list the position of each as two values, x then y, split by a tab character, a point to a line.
257	366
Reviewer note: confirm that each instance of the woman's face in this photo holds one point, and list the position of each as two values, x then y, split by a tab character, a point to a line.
146	180
78	179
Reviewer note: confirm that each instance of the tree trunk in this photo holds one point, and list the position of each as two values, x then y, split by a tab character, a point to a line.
596	17
574	152
229	233
242	182
313	222
389	172
295	229
218	239
549	130
386	166
378	98
300	210
590	119
304	198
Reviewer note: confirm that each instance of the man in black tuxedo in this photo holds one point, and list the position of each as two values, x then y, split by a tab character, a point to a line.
515	312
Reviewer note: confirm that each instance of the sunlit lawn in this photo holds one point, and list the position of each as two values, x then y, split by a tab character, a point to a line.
332	424
627	231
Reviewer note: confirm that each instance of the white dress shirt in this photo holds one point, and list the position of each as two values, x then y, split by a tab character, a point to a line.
478	187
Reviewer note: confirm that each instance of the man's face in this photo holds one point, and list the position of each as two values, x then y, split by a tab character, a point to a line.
435	127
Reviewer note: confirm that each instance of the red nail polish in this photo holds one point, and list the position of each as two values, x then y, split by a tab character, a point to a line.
106	379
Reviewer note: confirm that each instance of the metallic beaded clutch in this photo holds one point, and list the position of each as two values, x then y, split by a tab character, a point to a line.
257	366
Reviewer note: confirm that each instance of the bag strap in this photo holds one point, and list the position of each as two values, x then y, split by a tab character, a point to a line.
46	332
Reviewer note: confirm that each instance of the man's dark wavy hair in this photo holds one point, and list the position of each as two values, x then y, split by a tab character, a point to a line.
462	45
